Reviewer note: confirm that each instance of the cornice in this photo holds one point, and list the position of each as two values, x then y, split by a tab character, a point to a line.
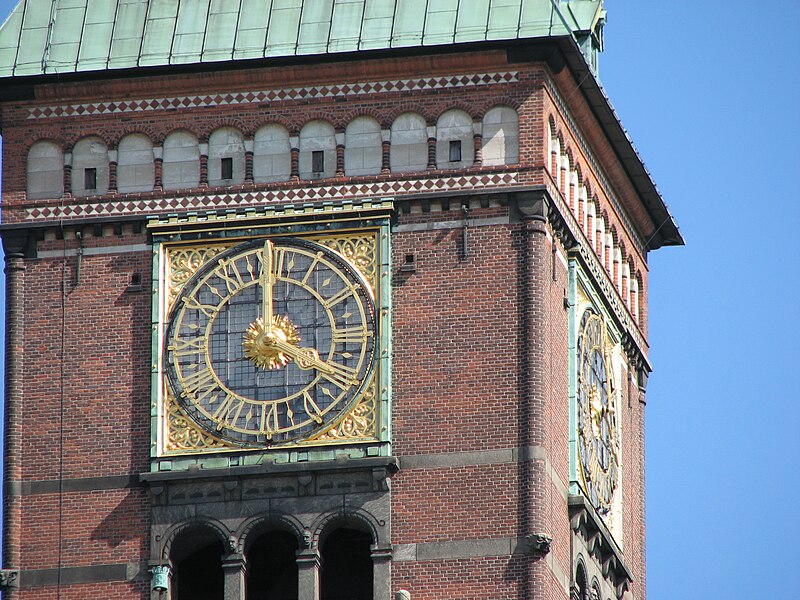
569	233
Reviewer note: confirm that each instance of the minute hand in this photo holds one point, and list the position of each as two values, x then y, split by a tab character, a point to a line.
308	358
305	358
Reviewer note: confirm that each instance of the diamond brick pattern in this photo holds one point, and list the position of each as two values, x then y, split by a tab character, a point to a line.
349	89
244	199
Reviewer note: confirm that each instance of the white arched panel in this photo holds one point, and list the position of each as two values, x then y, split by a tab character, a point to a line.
272	154
501	136
45	170
135	164
181	167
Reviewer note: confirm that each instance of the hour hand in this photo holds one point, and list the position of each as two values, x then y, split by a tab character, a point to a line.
265	281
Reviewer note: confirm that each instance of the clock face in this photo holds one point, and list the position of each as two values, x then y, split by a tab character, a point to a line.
270	341
597	429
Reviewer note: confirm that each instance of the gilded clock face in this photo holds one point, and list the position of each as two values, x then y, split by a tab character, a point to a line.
270	341
597	431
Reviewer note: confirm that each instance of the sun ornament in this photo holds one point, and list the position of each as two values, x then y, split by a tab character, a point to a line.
260	342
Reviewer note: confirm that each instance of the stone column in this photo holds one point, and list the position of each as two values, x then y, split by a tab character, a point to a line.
381	573
386	150
158	168
308	564
294	142
477	136
234	569
204	164
536	264
14	244
248	161
68	173
431	148
112	171
340	155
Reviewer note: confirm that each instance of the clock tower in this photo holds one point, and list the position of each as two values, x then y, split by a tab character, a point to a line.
342	299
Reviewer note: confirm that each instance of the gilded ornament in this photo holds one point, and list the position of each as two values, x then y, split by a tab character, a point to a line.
359	250
182	264
261	342
266	388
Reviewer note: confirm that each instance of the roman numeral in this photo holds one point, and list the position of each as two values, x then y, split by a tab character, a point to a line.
199	381
338	297
311	408
229	273
228	412
191	303
278	257
187	346
310	270
341	376
349	335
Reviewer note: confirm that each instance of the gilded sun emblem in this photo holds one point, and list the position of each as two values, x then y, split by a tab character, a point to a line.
261	342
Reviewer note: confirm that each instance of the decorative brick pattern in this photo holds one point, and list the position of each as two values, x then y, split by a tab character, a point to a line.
240	200
273	96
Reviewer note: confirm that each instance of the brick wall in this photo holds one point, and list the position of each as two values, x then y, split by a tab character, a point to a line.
480	362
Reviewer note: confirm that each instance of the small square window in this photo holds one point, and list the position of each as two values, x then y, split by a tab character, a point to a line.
455	151
227	168
318	161
90	179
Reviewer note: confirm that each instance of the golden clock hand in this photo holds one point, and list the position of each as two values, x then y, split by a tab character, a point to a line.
265	280
305	358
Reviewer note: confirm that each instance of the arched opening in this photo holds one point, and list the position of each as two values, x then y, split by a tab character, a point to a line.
89	167
317	150
135	166
225	157
455	144
45	170
181	161
272	154
196	557
580	582
346	566
501	136
362	147
409	149
272	567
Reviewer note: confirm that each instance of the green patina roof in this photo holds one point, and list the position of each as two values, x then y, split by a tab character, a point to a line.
69	36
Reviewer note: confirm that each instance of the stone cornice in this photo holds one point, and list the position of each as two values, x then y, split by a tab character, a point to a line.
566	228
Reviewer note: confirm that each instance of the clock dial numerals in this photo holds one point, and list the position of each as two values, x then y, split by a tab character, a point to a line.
271	341
597	437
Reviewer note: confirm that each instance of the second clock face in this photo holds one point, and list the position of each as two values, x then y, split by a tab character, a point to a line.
597	430
270	341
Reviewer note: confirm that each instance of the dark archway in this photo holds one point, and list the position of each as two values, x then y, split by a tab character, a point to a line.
197	562
272	567
580	581
346	566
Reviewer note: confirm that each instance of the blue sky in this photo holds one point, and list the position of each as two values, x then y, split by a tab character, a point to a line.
709	93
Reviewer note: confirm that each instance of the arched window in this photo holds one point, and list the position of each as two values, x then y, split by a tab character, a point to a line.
455	144
135	166
346	570
362	147
272	154
317	150
501	136
225	157
89	167
196	557
272	567
409	149
580	582
45	170
181	161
